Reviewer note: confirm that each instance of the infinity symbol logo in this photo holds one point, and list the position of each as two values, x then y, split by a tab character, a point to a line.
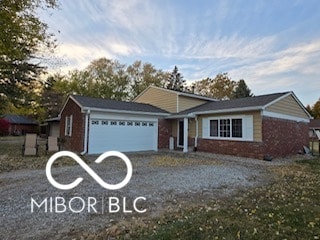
88	170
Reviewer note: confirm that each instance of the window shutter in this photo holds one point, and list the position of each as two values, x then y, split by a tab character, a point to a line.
70	129
247	128
205	128
66	123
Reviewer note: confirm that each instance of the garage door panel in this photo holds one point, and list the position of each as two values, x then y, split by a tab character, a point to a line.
122	137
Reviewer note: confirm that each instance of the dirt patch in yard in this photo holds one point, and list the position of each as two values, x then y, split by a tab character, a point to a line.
174	161
168	182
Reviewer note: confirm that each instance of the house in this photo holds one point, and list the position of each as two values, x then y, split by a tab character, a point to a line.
50	127
95	125
314	128
20	125
274	124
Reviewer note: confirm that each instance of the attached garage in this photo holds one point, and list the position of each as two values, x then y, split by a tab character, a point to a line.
122	132
95	125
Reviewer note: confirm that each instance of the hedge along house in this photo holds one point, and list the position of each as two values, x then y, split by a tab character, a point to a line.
274	124
95	125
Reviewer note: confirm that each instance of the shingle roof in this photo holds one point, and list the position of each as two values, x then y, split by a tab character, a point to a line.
257	101
18	119
314	123
100	103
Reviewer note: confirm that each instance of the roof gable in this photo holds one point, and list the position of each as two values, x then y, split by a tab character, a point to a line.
314	123
289	105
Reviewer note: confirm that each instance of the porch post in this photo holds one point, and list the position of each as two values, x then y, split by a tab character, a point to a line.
185	135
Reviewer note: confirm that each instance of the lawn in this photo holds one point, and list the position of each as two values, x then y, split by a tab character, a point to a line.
289	208
11	156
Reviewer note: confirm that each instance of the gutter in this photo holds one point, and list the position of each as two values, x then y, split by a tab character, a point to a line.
177	116
197	134
86	128
125	111
230	110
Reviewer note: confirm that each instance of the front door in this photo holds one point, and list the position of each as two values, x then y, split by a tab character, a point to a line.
180	133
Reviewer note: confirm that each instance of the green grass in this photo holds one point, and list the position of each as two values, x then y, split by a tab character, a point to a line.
288	208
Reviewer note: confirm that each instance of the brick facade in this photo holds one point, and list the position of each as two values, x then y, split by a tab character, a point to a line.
284	137
164	133
279	138
75	142
229	147
17	129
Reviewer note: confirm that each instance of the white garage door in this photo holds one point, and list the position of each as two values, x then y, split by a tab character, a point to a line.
122	135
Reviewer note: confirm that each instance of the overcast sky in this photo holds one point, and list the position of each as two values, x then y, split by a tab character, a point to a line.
273	45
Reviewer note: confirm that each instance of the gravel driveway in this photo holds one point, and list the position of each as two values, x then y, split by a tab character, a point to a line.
162	186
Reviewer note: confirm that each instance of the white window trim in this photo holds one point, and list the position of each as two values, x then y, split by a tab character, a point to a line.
68	126
247	134
284	116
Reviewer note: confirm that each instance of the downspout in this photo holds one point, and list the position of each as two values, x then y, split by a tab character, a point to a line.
86	127
197	134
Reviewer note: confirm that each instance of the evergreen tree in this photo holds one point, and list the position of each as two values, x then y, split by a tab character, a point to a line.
309	109
51	99
23	39
175	80
316	110
242	90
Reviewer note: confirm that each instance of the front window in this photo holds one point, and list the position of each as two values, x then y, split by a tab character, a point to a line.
237	128
226	128
68	126
214	128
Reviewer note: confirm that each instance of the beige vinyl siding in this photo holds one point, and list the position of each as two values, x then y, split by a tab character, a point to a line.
287	106
192	128
188	102
257	127
160	98
257	123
